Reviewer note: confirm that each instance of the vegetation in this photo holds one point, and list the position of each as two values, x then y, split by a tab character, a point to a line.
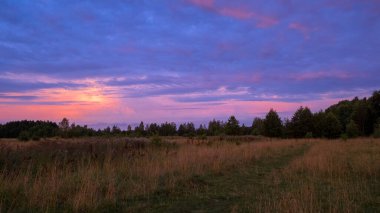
301	123
376	134
358	117
272	124
258	126
212	175
352	129
232	126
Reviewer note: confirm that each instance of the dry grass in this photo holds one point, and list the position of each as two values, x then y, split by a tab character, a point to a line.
333	176
95	174
82	175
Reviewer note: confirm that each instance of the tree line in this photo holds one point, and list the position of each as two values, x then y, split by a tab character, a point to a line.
348	118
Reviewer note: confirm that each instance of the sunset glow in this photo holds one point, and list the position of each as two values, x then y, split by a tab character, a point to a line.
188	60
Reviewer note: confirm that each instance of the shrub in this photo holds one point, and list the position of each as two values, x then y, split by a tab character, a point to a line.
202	137
24	136
376	134
156	140
35	137
344	136
309	135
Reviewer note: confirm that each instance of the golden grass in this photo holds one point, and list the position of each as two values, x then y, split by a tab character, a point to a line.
333	176
80	175
84	175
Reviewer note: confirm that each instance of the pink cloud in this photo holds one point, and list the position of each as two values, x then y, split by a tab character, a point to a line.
300	28
322	74
203	3
260	20
266	21
240	13
236	13
297	26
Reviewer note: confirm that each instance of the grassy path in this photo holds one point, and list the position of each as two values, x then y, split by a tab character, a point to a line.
237	189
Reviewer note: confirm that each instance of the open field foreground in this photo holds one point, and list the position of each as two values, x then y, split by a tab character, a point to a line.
235	174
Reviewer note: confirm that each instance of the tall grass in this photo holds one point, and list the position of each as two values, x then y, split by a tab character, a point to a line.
333	176
77	175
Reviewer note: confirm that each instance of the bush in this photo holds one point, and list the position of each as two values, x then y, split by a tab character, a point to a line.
344	137
35	137
309	135
24	136
156	140
256	132
376	134
202	137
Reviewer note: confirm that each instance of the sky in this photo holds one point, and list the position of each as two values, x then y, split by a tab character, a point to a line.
104	62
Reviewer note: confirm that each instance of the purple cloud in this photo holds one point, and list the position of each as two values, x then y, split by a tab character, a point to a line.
116	60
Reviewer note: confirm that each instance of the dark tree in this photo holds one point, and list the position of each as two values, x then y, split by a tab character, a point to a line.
215	127
245	130
376	133
202	131
107	131
258	126
182	129
153	129
331	127
301	122
343	111
140	130
232	126
319	122
34	129
115	130
186	129
352	129
64	125
129	130
363	117
272	124
168	129
374	101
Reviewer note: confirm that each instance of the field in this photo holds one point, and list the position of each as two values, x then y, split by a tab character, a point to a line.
173	174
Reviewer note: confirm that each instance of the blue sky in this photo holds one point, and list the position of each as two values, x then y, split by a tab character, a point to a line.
126	61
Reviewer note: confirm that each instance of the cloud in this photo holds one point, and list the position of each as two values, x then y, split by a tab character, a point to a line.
341	75
304	30
236	13
203	3
239	13
176	60
17	97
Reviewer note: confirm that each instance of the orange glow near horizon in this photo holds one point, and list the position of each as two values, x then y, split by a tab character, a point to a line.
90	105
53	104
99	103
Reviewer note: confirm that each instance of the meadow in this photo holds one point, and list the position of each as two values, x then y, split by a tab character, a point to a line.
178	174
